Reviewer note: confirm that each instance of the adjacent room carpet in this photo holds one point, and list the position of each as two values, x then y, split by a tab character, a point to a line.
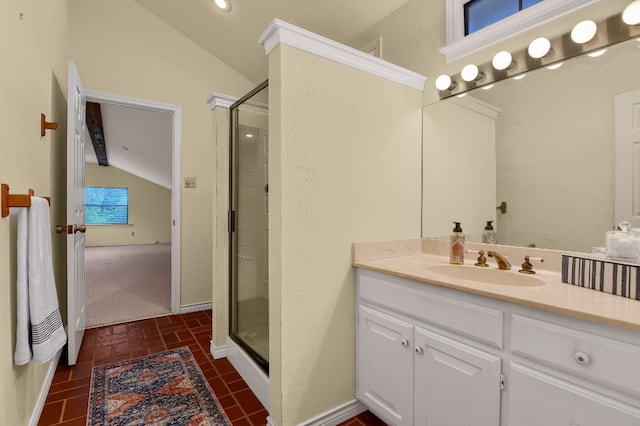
166	388
127	283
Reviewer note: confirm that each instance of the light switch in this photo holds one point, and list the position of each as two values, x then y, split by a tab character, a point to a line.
189	182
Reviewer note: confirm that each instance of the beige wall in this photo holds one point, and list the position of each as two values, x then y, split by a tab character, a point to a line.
411	38
459	165
149	209
33	46
344	161
220	270
129	51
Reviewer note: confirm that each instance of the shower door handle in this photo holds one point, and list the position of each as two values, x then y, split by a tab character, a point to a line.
231	217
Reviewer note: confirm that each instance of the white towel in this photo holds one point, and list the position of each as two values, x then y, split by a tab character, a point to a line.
47	332
22	353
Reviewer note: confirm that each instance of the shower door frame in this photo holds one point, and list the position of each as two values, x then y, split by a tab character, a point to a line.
233	235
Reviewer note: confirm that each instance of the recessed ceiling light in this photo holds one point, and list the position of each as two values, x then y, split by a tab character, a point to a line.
224	5
249	135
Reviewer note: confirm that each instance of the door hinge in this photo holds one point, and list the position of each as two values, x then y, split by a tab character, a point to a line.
503	381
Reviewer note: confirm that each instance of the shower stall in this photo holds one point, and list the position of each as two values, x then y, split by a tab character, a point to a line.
248	230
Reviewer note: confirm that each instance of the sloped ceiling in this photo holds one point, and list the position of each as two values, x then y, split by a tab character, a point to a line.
233	36
140	141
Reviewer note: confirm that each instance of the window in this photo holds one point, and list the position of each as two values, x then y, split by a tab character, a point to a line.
459	44
106	206
482	13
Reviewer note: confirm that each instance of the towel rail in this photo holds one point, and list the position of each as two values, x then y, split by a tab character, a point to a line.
16	200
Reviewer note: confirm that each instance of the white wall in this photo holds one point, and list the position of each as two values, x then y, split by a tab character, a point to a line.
345	163
149	209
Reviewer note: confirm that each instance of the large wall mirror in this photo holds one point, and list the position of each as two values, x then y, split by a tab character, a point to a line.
555	148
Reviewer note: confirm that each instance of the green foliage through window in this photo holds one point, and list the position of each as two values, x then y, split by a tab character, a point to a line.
106	206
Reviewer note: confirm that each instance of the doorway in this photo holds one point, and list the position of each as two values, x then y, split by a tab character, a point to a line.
158	186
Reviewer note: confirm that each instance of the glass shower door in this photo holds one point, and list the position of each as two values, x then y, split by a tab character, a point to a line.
249	200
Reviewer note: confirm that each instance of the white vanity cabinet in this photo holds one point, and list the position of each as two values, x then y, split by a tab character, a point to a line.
429	355
446	367
408	369
566	376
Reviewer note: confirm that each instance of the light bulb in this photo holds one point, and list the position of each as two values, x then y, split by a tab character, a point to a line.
470	72
444	82
539	48
631	13
502	60
584	31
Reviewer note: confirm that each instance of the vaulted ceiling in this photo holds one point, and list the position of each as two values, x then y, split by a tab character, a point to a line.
233	36
139	141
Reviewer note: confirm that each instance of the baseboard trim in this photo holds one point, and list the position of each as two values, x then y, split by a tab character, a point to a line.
337	415
44	391
250	372
218	351
195	307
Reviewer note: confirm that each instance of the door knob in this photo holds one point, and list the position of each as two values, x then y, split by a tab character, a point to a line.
60	229
79	228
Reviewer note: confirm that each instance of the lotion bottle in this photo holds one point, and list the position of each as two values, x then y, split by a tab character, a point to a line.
456	249
489	234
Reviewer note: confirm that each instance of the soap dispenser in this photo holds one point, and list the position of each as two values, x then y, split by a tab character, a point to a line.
489	234
456	249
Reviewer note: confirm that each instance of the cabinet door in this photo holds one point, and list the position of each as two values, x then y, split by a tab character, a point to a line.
385	366
456	384
536	398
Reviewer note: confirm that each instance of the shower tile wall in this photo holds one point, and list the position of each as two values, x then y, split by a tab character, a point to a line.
252	214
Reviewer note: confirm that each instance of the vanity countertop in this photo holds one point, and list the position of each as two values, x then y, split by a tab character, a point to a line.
412	258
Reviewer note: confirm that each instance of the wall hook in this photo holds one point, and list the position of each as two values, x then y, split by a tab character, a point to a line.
502	207
44	125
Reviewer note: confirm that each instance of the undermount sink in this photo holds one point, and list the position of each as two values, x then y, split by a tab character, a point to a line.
488	276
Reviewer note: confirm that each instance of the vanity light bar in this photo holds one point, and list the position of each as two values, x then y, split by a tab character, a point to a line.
610	31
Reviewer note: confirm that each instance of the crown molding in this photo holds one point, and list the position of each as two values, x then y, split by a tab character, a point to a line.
219	100
280	32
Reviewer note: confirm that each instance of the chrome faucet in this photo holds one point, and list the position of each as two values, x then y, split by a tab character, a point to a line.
502	262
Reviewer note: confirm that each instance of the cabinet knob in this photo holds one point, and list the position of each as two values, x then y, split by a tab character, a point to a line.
581	358
418	350
404	342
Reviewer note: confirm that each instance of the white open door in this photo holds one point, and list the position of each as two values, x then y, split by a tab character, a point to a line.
627	158
76	106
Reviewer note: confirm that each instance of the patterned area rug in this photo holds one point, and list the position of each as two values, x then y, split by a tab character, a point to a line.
167	388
